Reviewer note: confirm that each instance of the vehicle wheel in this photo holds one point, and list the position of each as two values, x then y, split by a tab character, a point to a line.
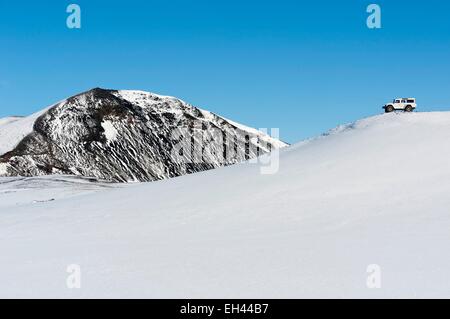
408	108
389	109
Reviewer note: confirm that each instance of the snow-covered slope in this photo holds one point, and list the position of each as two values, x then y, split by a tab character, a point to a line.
372	192
125	136
14	129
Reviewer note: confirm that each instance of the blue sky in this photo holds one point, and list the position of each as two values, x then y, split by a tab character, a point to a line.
301	66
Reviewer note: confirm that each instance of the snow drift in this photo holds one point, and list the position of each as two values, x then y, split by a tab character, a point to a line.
374	192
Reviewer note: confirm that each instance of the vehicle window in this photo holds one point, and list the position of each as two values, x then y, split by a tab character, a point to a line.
397	101
411	101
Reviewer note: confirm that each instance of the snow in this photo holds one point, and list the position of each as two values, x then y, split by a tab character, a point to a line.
14	129
110	130
133	95
3	170
146	99
8	120
370	192
275	141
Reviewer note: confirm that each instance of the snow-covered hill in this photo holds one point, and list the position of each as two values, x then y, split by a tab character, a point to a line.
125	136
374	192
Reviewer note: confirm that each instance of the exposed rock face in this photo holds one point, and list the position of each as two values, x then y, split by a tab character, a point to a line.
125	136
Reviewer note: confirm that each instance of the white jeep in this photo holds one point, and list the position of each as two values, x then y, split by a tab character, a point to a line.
404	104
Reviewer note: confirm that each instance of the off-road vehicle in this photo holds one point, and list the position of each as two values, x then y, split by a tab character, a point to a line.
402	104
